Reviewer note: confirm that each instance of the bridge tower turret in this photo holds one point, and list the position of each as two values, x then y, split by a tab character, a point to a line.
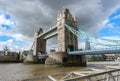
67	41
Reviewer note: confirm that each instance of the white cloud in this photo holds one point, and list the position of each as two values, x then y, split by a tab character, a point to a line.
20	37
117	16
8	43
3	20
81	45
110	25
105	22
27	41
13	47
112	37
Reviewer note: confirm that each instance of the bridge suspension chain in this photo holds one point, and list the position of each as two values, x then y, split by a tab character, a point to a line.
92	39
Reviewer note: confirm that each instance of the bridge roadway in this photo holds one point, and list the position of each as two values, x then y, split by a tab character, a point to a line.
87	52
90	52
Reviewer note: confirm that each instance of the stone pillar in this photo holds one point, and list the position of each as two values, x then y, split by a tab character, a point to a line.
66	39
41	45
35	44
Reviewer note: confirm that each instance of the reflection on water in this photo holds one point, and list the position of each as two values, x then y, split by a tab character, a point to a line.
13	71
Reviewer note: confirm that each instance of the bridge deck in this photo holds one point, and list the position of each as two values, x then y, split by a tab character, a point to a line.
89	52
110	73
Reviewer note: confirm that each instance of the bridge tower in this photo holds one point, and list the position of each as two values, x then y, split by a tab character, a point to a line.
39	43
67	41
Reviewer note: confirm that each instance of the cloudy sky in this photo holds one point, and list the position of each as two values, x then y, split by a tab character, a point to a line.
19	19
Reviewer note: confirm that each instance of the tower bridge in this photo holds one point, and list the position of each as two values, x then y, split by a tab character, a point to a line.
67	39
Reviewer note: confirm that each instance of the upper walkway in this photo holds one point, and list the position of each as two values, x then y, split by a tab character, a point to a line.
49	33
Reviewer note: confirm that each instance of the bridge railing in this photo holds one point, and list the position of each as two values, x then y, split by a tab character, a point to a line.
99	51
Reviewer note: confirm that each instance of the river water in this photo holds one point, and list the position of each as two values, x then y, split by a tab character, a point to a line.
18	71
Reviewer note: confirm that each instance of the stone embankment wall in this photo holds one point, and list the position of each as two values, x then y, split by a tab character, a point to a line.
9	58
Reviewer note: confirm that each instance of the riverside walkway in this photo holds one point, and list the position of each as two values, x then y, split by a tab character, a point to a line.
108	73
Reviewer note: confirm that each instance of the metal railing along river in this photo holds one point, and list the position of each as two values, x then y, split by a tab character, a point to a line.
109	73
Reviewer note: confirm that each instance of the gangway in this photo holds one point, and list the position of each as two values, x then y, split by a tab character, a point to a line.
109	73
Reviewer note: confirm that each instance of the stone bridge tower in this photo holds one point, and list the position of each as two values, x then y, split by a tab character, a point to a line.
39	43
67	41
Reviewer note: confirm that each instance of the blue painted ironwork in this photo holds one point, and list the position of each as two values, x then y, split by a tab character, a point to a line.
114	45
90	52
92	39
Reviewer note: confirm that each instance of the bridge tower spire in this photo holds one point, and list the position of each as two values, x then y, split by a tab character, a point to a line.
66	39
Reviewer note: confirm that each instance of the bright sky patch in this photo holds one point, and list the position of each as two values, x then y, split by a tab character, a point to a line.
6	21
19	43
5	38
5	26
112	27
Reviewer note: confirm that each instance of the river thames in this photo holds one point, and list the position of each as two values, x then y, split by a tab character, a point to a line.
18	71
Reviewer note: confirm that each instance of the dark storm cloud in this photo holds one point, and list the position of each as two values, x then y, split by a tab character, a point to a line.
29	15
58	4
32	14
93	13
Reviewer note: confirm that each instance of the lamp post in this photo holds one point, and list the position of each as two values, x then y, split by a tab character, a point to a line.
6	50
